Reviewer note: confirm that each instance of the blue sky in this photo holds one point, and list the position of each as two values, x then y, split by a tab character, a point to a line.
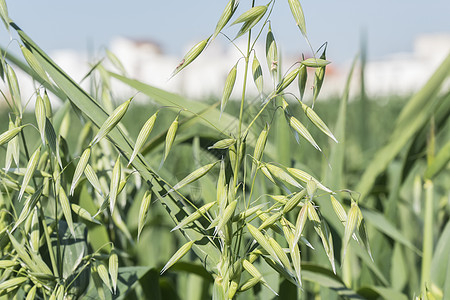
390	26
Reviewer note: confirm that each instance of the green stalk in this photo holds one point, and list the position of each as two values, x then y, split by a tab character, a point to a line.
427	248
269	99
42	215
347	268
239	141
47	236
241	110
48	241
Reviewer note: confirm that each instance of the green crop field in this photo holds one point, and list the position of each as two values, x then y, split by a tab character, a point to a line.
284	196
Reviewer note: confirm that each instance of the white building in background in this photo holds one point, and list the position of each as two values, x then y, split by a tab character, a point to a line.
404	73
399	73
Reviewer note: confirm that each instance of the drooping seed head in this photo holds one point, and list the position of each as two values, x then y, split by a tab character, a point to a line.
79	170
297	13
228	88
143	135
223	144
112	121
257	74
227	13
191	55
178	255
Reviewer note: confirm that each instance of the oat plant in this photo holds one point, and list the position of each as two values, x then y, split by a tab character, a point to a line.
251	216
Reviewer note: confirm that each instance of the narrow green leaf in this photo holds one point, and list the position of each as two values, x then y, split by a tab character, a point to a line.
412	118
439	162
326	278
440	271
374	292
362	231
115	61
380	222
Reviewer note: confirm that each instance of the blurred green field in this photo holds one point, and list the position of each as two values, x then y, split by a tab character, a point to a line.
365	133
365	218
